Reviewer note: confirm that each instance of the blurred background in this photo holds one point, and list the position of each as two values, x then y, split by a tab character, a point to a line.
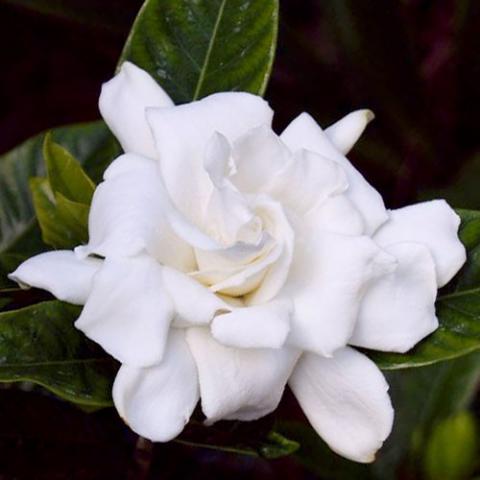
416	64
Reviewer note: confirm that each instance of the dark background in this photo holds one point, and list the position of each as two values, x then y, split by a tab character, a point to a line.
414	62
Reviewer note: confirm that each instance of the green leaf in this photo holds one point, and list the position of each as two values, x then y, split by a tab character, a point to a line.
20	235
62	201
40	344
195	48
65	174
458	311
75	216
63	223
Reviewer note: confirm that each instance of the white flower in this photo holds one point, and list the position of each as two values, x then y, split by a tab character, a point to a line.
225	260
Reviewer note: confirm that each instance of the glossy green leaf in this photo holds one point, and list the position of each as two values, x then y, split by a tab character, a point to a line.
195	48
65	174
40	344
458	311
92	144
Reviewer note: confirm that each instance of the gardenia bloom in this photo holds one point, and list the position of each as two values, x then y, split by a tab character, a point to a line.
225	261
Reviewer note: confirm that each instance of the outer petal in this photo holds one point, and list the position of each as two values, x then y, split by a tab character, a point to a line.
304	132
128	312
181	134
327	281
59	272
157	402
238	384
345	133
129	215
122	104
260	326
345	399
435	225
398	310
193	303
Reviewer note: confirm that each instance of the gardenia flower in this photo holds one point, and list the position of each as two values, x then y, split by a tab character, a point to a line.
225	261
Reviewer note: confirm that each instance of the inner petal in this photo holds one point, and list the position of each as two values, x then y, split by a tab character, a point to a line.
227	217
258	270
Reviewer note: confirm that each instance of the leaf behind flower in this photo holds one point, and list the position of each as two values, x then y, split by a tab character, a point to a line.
39	344
194	49
20	237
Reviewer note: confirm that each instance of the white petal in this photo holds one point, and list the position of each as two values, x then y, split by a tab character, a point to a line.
327	281
259	268
260	326
258	156
345	399
59	272
238	384
129	215
227	217
157	402
193	303
238	269
398	310
218	160
307	180
304	133
338	214
181	135
345	133
247	279
122	104
143	171
128	311
435	225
